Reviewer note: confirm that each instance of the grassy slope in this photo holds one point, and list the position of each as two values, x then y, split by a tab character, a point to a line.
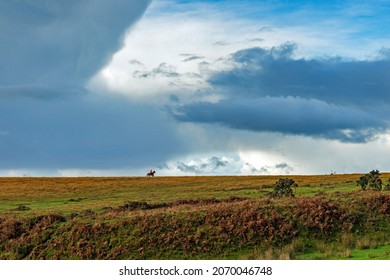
65	195
89	218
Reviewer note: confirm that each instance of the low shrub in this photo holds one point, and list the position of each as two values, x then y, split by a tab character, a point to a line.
370	180
283	188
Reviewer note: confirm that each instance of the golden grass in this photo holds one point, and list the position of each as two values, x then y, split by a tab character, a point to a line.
64	195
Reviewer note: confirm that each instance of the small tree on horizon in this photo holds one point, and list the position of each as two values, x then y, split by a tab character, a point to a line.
370	180
283	187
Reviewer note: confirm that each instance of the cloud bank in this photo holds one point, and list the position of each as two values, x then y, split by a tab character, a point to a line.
82	131
61	43
49	120
275	72
268	90
222	165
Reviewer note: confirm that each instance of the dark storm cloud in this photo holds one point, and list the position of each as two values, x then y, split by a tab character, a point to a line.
48	120
288	115
25	92
61	42
269	90
274	72
82	131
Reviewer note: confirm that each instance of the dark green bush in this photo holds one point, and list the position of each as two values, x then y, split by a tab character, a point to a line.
283	187
370	180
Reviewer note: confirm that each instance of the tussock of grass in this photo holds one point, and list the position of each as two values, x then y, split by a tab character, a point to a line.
22	208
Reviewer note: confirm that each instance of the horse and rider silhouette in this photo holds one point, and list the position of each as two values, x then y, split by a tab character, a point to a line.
151	173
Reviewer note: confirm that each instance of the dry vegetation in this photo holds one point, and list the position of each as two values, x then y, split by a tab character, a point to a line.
188	218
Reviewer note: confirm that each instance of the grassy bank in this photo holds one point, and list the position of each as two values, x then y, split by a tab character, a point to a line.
191	218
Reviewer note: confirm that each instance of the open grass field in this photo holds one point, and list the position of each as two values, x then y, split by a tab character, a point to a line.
220	217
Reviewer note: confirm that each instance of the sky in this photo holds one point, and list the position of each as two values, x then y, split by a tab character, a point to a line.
194	87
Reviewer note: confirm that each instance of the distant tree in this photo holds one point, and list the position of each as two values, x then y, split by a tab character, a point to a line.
283	187
370	180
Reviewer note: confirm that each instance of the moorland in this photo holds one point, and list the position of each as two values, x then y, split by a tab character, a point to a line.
200	217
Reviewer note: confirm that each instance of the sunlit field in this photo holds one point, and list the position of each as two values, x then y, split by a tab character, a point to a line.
219	217
65	195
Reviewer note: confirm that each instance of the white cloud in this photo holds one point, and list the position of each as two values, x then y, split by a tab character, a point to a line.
210	33
184	46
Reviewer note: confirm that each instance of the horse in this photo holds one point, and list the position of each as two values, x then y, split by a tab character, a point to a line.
151	174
